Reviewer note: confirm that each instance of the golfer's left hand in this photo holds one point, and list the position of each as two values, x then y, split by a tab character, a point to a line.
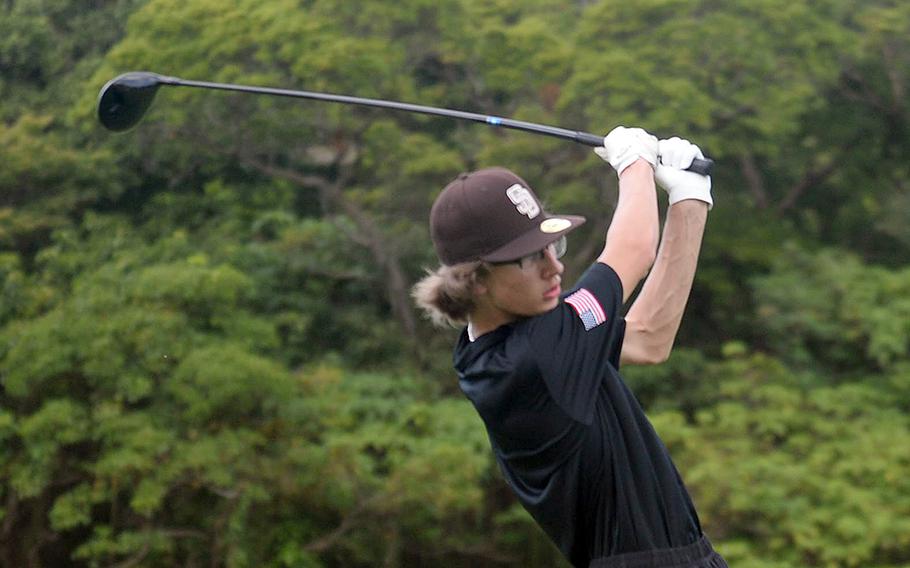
623	146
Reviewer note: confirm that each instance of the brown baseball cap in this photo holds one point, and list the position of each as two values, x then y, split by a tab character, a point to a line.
493	215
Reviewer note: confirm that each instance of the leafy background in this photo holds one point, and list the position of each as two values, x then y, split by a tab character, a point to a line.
208	353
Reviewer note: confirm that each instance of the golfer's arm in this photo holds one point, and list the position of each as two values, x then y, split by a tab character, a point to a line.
654	318
634	231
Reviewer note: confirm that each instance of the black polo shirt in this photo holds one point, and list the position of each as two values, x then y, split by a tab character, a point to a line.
569	436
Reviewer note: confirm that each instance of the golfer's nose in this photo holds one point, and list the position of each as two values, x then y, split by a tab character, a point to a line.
551	264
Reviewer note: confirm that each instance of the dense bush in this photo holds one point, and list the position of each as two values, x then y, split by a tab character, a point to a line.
208	353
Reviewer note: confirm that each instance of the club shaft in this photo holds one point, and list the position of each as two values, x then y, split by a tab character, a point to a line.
703	167
582	137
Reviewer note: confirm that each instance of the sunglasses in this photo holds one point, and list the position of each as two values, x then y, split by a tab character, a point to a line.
557	248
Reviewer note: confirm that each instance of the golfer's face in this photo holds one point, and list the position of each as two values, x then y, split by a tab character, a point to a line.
528	287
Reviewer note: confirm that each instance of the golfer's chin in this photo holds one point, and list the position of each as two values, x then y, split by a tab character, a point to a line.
547	305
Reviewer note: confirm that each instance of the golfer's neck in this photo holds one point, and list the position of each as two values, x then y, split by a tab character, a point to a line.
485	319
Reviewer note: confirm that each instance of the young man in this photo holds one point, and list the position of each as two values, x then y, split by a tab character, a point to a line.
541	366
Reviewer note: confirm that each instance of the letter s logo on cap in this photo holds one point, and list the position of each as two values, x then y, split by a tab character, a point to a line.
523	200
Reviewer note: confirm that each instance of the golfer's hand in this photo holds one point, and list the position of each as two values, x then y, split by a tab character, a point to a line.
676	155
623	146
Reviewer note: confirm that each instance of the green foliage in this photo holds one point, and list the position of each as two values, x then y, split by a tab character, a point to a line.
828	309
208	353
42	168
797	476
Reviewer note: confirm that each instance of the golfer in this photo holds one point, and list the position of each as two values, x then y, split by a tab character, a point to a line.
540	364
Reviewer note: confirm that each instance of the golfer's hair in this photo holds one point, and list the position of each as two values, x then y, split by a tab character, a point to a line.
446	294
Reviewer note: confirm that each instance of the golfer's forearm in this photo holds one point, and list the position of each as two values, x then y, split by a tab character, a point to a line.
634	231
636	221
654	318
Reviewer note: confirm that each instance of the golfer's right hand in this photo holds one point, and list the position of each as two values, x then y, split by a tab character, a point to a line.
676	155
623	146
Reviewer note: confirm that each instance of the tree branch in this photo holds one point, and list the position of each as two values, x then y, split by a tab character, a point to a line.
864	94
811	178
396	283
893	69
136	558
754	180
817	175
353	519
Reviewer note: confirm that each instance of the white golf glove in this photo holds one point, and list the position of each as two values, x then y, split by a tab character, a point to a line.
622	146
676	155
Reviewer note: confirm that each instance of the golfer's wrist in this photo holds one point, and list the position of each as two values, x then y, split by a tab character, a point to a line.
690	203
693	194
638	168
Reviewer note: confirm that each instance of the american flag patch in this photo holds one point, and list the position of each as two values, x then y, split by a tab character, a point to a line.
588	308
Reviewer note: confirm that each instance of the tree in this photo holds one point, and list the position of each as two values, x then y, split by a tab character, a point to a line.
207	348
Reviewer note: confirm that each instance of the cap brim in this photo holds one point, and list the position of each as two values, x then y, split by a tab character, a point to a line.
549	230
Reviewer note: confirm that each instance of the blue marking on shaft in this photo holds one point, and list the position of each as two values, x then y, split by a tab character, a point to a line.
494	120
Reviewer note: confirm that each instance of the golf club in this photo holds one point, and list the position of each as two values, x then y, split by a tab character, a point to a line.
124	100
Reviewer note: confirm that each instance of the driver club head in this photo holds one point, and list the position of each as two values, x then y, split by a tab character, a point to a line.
125	99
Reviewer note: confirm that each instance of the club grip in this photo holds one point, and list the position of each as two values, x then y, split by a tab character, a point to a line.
589	139
703	166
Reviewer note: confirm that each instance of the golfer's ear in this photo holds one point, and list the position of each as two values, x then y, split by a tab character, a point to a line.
479	283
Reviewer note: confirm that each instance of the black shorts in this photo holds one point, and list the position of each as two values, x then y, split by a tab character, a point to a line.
696	555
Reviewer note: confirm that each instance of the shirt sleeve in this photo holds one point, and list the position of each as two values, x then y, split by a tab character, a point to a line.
576	343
